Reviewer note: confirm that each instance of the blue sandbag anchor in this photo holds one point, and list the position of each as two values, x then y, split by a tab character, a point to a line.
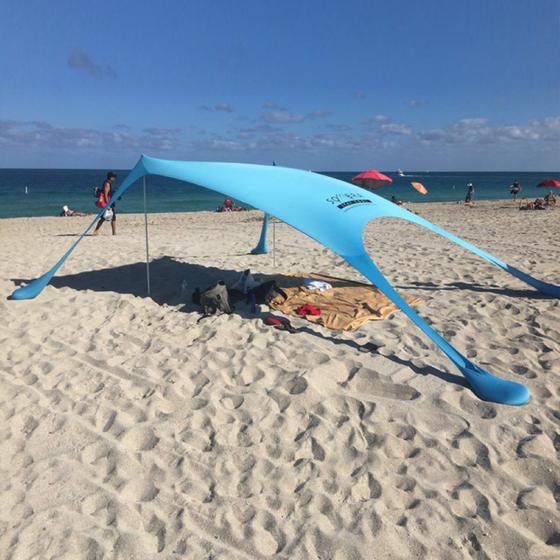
262	247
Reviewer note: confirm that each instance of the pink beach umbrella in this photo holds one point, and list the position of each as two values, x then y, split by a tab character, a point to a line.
550	183
371	179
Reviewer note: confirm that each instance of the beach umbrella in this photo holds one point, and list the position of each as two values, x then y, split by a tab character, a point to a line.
371	179
550	183
419	187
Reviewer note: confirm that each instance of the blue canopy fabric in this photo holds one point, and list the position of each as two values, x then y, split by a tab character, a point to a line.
332	212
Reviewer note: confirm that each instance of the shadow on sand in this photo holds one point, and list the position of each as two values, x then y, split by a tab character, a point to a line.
167	274
472	287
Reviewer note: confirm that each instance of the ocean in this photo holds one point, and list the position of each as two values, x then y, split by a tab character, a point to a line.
43	192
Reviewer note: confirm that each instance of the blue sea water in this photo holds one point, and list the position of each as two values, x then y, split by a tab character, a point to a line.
49	189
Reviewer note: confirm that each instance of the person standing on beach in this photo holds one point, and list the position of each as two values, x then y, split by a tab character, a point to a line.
470	194
515	189
107	193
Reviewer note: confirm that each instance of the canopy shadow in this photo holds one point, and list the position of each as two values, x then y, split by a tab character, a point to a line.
167	275
475	287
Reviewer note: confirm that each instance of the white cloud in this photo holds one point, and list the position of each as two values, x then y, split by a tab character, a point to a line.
480	131
40	134
464	136
273	106
396	128
283	117
218	107
377	119
80	61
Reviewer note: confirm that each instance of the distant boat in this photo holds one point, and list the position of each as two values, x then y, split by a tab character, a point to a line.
400	173
25	190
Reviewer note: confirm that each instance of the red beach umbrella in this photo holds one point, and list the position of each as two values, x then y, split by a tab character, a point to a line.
550	183
371	179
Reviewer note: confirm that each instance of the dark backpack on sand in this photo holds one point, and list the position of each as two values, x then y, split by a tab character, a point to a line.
213	300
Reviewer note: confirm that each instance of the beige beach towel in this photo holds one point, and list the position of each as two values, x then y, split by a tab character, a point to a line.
347	306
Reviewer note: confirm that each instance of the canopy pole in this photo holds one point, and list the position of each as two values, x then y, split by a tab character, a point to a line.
274	236
146	234
274	242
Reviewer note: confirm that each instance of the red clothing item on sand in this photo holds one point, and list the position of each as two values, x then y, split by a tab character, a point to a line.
272	321
279	323
307	309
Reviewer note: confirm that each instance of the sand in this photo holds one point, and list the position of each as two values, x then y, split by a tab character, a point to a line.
131	430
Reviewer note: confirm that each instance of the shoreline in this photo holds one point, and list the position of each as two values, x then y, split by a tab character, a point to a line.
508	202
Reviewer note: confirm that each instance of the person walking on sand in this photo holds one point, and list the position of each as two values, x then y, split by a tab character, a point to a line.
109	214
470	194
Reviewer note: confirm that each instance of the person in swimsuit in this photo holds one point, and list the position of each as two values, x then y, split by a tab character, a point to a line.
107	194
470	194
515	189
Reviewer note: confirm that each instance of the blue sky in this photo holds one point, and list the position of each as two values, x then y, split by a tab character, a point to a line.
339	85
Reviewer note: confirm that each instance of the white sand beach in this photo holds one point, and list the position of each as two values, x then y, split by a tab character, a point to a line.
131	430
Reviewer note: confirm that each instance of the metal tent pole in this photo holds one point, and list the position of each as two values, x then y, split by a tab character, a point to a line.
146	233
274	235
274	242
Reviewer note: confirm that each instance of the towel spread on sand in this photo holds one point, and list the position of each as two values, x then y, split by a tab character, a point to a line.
347	306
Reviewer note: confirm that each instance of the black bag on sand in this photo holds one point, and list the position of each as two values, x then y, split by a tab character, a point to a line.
266	292
214	299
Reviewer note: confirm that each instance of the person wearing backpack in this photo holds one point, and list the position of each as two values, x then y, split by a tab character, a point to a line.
105	194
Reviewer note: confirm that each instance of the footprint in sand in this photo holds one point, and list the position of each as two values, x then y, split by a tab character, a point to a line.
472	406
536	497
368	384
523	371
542	524
538	446
268	539
468	450
140	490
140	438
231	402
296	386
250	374
105	419
223	357
366	488
469	502
94	451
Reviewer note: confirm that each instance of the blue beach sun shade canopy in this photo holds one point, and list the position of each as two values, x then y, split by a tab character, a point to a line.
332	212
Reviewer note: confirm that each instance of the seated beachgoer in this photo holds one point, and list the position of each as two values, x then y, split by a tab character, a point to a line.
229	206
528	205
395	200
539	204
68	212
550	199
